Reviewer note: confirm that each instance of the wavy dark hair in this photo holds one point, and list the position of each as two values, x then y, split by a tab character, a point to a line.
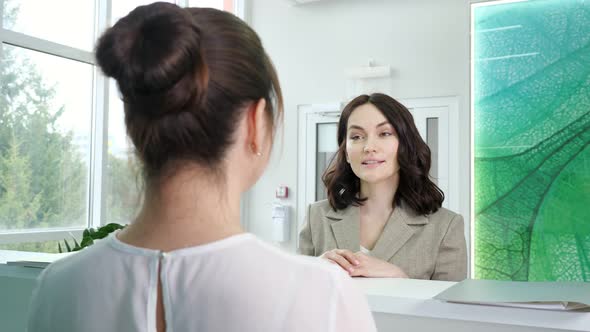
415	190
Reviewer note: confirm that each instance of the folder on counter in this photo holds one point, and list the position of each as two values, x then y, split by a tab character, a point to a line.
525	294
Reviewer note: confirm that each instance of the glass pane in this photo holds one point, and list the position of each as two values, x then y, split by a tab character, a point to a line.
122	8
45	109
327	146
53	20
432	141
531	140
47	246
123	179
227	5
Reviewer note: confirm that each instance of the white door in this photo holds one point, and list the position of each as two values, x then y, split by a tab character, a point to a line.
317	144
437	122
432	124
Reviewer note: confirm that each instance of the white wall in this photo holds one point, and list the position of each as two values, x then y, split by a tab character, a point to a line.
426	42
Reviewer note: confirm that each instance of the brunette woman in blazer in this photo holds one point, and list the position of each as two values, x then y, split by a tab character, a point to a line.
384	215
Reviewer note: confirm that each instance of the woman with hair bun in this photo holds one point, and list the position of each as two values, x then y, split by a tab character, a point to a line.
383	216
202	102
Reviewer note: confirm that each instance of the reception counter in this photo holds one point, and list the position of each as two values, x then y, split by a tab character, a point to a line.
407	305
397	305
16	286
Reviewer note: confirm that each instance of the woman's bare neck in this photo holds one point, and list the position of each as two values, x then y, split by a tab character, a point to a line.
188	210
379	196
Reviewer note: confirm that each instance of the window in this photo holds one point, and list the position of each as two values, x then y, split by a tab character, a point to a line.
25	17
65	161
45	140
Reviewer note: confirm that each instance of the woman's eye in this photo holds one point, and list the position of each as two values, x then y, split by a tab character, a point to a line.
355	137
386	133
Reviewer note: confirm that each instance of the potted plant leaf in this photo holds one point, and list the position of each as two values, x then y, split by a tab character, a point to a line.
89	236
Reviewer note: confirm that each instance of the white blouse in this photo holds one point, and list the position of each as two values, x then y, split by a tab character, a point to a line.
235	284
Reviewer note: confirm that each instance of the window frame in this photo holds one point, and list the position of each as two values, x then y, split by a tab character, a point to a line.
96	195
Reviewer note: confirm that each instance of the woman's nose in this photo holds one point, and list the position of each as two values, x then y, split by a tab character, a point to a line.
369	146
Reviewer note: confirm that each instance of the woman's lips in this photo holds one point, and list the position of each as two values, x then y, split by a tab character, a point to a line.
372	163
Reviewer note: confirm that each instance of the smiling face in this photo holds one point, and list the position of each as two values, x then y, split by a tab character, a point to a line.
371	145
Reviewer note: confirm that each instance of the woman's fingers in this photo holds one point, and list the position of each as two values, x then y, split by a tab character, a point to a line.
344	258
340	260
348	255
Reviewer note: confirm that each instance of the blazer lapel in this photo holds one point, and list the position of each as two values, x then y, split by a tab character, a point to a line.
396	233
345	225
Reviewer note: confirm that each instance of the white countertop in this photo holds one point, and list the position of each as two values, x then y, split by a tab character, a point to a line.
414	298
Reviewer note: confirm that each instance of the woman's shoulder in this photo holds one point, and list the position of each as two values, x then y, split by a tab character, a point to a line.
330	287
444	217
323	206
271	260
444	213
321	211
84	263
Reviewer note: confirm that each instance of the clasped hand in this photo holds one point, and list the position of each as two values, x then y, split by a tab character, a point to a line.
362	265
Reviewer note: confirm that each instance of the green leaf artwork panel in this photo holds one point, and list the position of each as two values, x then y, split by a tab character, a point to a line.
531	85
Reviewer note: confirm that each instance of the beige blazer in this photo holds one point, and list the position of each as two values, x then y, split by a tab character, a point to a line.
425	247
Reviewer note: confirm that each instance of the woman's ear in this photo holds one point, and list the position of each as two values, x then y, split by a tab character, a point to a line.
257	126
